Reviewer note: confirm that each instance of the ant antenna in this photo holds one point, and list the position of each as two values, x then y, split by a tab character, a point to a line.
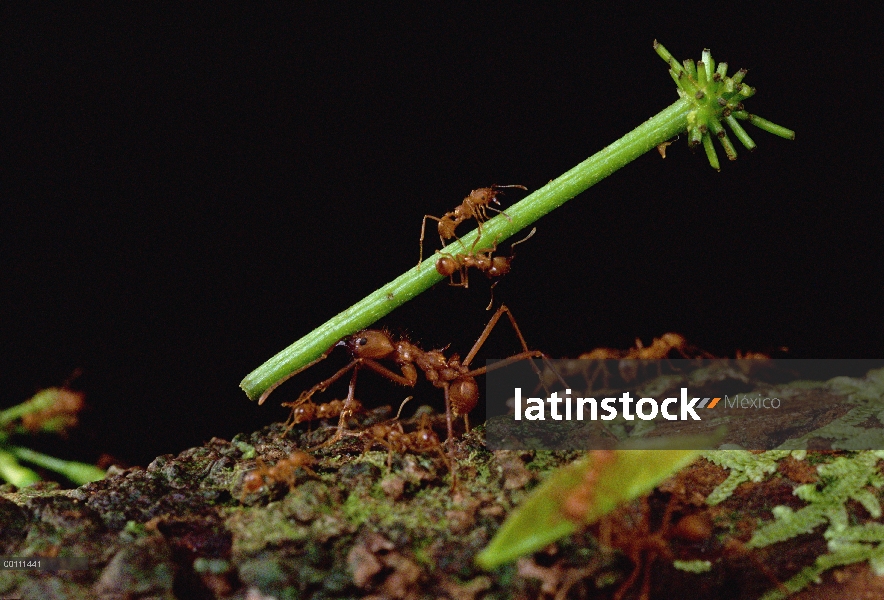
396	418
524	239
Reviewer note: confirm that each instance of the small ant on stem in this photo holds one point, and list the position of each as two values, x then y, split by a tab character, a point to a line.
492	266
474	205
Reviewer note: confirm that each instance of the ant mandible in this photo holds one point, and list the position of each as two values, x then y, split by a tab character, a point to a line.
474	205
452	374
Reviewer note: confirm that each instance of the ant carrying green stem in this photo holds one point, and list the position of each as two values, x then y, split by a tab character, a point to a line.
457	380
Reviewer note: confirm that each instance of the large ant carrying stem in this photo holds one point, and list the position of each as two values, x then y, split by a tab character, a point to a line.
474	205
452	374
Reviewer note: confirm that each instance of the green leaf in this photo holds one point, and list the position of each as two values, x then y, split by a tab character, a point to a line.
617	477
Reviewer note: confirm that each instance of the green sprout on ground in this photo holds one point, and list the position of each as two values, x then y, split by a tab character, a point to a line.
708	98
52	410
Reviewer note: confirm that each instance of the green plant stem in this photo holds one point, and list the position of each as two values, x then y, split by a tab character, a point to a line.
653	132
14	473
79	473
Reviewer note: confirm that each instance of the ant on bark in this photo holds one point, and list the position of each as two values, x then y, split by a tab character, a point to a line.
305	411
474	205
285	471
492	266
392	436
453	375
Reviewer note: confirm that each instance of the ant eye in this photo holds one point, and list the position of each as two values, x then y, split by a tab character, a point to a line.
362	341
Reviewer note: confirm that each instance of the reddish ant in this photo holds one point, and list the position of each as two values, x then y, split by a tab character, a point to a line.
392	436
660	349
304	410
452	374
474	205
285	471
492	266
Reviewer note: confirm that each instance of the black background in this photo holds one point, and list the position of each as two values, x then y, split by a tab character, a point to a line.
188	191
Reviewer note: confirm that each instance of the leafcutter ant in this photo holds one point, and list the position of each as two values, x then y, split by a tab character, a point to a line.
475	205
493	266
393	437
284	471
661	348
305	410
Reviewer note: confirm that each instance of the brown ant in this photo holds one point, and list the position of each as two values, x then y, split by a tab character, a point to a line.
660	348
492	266
284	471
452	374
392	436
304	410
474	205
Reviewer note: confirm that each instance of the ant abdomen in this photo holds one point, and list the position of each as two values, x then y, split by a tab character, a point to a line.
464	395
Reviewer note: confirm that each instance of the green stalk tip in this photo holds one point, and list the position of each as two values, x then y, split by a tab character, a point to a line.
702	75
710	153
708	63
715	96
769	127
740	132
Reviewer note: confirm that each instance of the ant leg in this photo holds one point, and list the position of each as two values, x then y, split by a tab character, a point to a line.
524	239
279	382
448	422
407	379
423	231
525	354
345	410
491	299
322	385
450	441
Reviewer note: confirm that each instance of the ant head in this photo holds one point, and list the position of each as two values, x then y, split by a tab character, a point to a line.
500	265
673	340
369	343
483	196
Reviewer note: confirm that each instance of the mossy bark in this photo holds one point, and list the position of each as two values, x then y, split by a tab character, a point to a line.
185	528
